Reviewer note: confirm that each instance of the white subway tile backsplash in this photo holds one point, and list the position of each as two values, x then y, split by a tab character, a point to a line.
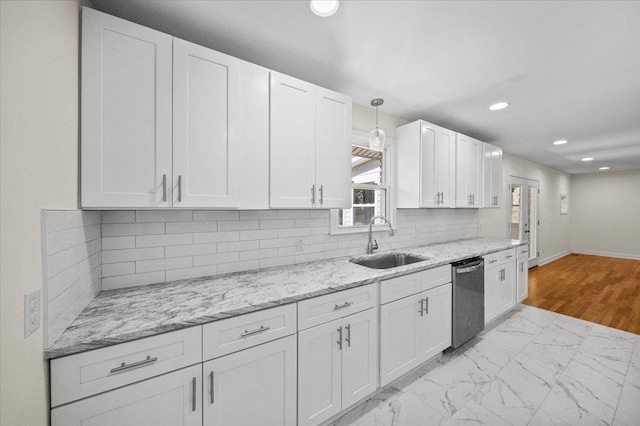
237	225
115	269
190	250
311	257
208	215
184	227
163	264
293	232
215	259
216	237
163	240
277	224
123	229
194	272
238	246
293	214
115	256
310	223
258	214
276	242
117	243
258	254
164	216
118	216
123	281
228	268
262	234
277	261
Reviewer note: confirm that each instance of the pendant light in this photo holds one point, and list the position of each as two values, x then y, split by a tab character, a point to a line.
376	136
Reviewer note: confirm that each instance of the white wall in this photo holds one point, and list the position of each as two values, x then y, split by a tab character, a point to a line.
364	118
38	169
605	213
554	228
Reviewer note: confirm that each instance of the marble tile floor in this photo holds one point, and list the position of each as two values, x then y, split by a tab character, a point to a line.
531	367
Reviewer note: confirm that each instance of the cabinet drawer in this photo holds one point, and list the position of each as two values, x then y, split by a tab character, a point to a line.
326	308
241	332
397	288
523	251
499	258
85	374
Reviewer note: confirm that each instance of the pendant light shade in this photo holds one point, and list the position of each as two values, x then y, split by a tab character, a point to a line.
376	136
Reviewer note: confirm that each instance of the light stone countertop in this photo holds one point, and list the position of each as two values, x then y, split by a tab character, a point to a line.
119	316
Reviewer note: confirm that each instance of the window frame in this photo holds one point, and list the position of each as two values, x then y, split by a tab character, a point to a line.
361	138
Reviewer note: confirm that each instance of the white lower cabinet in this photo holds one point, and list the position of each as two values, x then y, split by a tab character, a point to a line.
173	399
499	283
413	330
256	386
337	365
522	273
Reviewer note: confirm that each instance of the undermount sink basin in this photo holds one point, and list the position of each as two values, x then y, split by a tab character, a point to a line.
388	260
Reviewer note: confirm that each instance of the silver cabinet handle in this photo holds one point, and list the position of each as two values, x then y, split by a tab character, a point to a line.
442	197
164	188
125	367
348	338
340	338
262	329
437	198
493	261
193	394
421	307
321	194
313	194
473	199
179	188
426	304
524	251
509	256
211	391
344	305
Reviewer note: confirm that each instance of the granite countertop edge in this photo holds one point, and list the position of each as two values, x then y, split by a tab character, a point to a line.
69	345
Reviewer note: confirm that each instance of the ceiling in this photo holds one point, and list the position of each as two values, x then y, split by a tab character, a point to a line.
570	70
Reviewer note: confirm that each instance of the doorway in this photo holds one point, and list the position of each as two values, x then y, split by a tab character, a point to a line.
523	221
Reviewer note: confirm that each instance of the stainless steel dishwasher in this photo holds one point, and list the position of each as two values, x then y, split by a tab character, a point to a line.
468	300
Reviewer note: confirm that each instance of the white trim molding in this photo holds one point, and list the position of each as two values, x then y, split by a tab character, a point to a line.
609	254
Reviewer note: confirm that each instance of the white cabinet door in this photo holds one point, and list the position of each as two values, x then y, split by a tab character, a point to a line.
333	149
292	150
445	166
468	168
400	330
126	113
206	144
429	195
359	356
319	373
507	287
491	280
436	323
522	279
255	386
492	174
174	399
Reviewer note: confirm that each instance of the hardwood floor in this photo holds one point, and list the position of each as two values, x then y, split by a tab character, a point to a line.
603	290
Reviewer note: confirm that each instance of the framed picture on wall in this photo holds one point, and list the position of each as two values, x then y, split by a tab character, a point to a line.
564	204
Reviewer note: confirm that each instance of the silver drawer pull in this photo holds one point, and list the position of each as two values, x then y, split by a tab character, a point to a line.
262	329
125	367
524	251
493	261
509	256
345	305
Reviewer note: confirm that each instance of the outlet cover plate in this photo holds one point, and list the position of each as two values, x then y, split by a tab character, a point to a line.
32	315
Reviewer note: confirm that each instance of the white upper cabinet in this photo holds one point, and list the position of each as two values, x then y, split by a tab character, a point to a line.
492	175
426	176
468	171
217	99
126	113
310	149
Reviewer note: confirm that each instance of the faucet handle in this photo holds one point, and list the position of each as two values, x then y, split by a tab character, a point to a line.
374	246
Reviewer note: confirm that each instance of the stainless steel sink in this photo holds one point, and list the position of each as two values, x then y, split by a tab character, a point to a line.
388	260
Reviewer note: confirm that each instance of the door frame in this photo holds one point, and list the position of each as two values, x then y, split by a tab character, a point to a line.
526	183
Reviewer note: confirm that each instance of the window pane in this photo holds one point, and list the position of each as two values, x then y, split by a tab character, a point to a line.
366	166
367	203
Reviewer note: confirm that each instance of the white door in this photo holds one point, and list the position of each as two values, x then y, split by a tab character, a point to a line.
319	373
445	166
173	399
506	287
359	356
468	157
491	280
292	151
333	149
399	337
255	386
429	195
206	143
436	323
126	113
523	221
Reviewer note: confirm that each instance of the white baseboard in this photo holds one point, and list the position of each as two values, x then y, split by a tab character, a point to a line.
608	254
554	257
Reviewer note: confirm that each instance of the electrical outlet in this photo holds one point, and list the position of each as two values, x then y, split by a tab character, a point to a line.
299	244
31	312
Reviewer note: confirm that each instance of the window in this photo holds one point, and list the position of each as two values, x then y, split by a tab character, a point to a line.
371	175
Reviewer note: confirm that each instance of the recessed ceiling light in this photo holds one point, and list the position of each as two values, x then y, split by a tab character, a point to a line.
499	106
603	168
560	142
324	8
587	159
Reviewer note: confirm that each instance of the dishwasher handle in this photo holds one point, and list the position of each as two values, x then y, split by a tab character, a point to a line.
470	268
